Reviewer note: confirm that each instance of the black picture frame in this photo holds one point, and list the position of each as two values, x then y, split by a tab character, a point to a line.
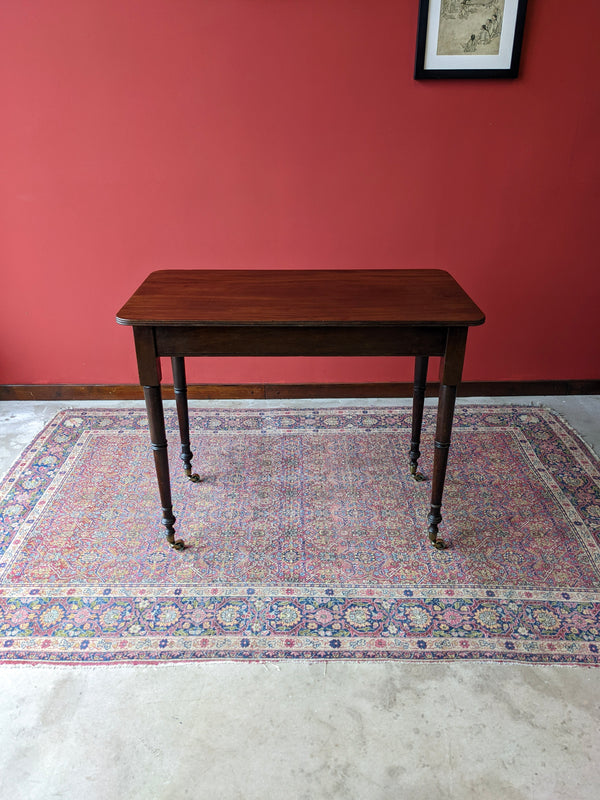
491	45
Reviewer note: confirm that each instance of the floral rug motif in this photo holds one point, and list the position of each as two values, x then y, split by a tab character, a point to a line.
306	539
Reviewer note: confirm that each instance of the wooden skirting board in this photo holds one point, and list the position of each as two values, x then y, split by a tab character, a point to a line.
285	391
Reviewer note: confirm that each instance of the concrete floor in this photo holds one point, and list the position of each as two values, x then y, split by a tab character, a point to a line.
298	730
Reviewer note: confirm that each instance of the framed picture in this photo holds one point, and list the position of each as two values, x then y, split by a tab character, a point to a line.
469	38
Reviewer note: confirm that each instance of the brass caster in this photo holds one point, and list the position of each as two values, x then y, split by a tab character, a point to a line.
195	478
178	544
417	476
439	544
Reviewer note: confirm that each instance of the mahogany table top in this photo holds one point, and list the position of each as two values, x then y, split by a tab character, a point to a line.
427	297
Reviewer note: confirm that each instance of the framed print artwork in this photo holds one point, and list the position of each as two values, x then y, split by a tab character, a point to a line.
469	38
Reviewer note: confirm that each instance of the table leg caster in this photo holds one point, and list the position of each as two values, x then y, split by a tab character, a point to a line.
439	544
194	478
434	520
416	476
168	521
176	544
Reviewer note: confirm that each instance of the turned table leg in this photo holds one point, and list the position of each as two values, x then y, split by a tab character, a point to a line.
421	363
443	434
180	385
158	438
450	375
150	377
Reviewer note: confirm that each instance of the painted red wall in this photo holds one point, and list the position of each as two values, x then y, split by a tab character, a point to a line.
144	134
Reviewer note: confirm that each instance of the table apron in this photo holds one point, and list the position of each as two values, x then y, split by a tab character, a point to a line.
321	340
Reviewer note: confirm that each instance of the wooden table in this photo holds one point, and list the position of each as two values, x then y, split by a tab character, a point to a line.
418	313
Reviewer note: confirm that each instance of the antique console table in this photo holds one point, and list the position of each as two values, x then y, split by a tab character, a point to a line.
418	313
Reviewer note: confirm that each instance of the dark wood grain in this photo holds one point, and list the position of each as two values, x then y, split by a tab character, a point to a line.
422	297
294	340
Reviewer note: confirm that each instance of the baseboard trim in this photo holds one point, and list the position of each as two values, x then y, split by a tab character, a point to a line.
285	391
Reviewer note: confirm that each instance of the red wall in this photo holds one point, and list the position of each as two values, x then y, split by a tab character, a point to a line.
144	134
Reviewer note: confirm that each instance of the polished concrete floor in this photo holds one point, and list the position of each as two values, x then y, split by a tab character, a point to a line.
305	731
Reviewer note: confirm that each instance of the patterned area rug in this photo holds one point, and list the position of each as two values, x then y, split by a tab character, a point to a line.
307	539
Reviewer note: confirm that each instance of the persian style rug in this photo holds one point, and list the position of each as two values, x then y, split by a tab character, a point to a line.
306	539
